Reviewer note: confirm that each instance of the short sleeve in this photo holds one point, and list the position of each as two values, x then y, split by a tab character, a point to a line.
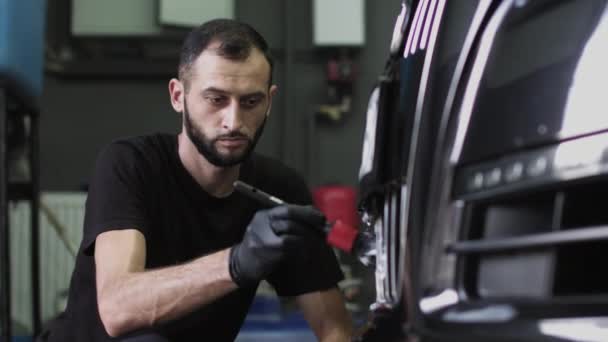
116	198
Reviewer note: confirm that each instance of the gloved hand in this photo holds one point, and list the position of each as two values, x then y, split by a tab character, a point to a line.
270	238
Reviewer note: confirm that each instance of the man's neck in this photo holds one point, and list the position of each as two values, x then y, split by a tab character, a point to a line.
217	181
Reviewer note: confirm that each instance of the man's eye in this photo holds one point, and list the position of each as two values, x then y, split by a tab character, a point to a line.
251	102
215	100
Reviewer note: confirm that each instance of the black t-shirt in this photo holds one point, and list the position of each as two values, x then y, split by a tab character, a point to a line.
141	183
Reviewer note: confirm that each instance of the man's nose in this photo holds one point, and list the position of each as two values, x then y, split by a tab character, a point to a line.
232	120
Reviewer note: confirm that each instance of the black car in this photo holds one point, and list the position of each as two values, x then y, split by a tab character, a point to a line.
485	173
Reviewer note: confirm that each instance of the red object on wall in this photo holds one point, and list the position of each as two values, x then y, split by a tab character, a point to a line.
337	202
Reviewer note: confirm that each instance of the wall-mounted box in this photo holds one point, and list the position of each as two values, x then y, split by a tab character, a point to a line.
194	12
114	18
338	22
143	17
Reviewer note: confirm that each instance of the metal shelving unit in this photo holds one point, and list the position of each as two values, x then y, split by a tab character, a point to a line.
13	109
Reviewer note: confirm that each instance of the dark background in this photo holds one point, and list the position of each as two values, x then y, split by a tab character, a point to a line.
81	115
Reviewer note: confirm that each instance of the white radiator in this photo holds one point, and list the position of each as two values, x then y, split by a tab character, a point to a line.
56	261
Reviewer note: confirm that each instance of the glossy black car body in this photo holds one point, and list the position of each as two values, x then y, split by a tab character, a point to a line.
487	189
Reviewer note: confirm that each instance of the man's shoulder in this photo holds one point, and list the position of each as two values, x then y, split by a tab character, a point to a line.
139	147
143	142
136	155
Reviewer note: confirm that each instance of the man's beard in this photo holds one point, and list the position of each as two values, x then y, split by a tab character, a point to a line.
206	147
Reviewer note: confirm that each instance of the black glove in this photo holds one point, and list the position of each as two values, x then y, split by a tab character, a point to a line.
271	237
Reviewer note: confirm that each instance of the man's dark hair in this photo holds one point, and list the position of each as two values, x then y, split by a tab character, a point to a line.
236	41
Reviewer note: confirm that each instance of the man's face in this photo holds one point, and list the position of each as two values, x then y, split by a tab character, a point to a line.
207	146
226	106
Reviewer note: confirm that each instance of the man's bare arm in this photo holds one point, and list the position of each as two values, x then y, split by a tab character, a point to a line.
130	297
325	312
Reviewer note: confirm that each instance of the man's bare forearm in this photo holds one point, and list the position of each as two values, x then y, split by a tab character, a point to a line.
326	314
141	299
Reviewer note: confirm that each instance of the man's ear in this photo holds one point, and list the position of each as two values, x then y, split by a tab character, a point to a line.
273	90
176	94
